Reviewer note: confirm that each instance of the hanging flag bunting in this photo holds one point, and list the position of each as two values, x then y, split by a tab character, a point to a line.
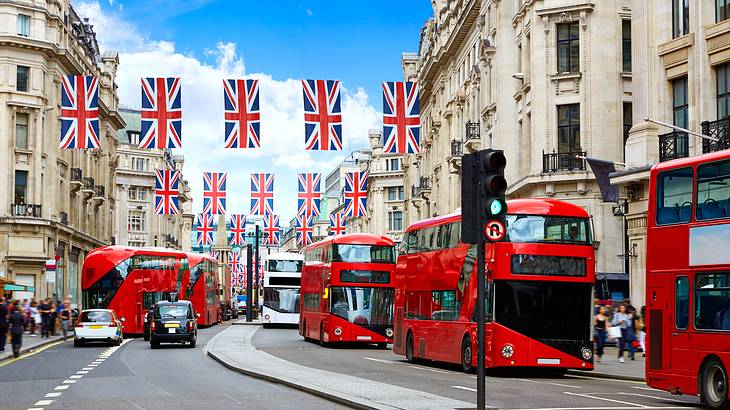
214	192
262	194
304	230
237	235
309	194
214	254
205	227
166	192
356	194
234	262
79	112
271	229
322	115
401	117
161	113
337	223
242	114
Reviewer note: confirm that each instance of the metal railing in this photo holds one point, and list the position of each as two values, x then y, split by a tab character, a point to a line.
673	145
29	210
472	130
563	161
88	183
76	174
99	191
457	148
719	129
424	184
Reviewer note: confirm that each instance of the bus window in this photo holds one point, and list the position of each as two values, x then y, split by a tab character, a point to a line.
444	305
681	302
712	301
674	196
713	190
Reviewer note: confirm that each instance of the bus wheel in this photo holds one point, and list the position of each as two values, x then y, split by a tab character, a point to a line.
466	355
713	385
409	348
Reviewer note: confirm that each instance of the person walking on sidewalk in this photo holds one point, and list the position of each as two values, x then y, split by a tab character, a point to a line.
45	310
624	322
35	318
17	323
600	323
65	319
3	323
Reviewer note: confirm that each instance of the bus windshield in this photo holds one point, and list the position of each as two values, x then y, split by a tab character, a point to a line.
549	229
284	300
281	265
363	253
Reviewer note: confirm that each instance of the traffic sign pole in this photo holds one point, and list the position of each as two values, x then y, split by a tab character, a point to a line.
481	376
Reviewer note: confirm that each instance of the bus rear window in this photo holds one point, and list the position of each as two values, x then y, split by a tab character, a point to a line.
364	276
674	196
363	253
548	265
549	229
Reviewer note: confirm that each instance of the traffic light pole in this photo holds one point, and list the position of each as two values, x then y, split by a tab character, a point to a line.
249	283
481	377
256	268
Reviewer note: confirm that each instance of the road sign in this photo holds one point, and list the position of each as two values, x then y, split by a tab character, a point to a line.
494	230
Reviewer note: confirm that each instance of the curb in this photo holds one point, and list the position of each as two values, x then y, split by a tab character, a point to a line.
600	375
33	348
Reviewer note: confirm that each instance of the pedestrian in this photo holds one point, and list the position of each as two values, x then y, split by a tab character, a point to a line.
35	318
44	308
641	330
3	323
65	319
600	323
16	322
623	321
29	322
53	319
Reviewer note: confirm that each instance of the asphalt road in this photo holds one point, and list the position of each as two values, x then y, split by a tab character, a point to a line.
524	390
136	377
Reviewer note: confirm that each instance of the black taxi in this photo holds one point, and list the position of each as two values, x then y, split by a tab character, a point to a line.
173	322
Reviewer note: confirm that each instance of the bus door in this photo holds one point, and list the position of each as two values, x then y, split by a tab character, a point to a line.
680	339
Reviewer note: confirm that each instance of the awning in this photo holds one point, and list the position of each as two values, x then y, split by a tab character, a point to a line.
21	288
612	276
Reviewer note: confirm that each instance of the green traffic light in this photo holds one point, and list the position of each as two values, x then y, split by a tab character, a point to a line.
495	208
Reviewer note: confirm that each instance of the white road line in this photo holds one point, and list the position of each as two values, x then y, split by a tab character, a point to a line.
62	387
82	372
649	396
235	400
88	368
646	388
36	408
604	408
133	404
380	360
43	402
56	394
76	376
551	383
68	381
464	388
429	370
603	379
591	396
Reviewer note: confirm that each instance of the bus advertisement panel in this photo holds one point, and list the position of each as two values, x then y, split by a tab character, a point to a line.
282	280
202	288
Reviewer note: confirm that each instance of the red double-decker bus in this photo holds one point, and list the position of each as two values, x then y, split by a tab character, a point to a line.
202	288
539	298
688	277
129	280
346	290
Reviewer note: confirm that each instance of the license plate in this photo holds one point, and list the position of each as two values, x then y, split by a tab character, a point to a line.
96	327
170	324
171	330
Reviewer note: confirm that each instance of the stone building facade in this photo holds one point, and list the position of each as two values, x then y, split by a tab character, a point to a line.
548	82
54	204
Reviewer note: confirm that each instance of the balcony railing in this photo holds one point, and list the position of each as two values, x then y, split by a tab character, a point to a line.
563	161
457	148
99	191
719	129
29	210
472	130
88	184
76	174
673	145
424	184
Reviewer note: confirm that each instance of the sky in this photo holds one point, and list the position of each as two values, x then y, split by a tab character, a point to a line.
279	43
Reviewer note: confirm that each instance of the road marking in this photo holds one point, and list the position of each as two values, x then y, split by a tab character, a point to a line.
67	381
82	372
429	370
606	408
380	360
464	388
88	368
646	388
604	379
31	353
133	404
36	408
592	396
56	394
551	383
76	376
237	401
62	387
649	396
43	402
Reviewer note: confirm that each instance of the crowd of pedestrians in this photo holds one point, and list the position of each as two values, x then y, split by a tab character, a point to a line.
37	318
624	325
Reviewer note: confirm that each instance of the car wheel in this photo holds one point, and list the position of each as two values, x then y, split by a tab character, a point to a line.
467	355
192	343
409	348
713	385
78	343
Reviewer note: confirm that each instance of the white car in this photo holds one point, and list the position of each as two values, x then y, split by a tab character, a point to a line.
98	325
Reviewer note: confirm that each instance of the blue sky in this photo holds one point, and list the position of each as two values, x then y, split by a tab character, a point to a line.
278	42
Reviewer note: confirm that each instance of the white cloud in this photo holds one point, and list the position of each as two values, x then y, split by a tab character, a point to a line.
282	127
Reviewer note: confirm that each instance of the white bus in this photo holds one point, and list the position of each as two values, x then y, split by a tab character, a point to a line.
282	280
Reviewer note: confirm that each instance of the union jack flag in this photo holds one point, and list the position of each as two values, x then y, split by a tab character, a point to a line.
322	115
401	117
214	192
262	194
237	235
337	223
214	254
356	194
161	113
79	112
234	262
242	114
271	229
304	229
205	227
309	194
166	192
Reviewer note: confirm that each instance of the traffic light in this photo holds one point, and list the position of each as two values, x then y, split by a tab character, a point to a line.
492	188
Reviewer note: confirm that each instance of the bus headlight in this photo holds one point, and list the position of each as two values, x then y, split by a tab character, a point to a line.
389	332
338	331
507	351
267	317
587	353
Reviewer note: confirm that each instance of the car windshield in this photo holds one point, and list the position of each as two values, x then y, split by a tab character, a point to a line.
96	316
363	253
549	229
173	310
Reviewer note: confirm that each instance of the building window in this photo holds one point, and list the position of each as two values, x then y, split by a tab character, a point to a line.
137	193
680	106
680	18
21	80
723	91
23	25
133	137
136	221
395	221
21	186
628	120
722	10
569	128
392	164
395	193
568	48
21	131
139	164
626	44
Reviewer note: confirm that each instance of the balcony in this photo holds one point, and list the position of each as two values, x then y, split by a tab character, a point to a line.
454	160
719	129
76	179
27	210
99	194
673	145
563	161
472	139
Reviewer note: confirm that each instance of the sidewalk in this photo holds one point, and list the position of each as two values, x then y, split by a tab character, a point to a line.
613	369
30	343
233	348
255	322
